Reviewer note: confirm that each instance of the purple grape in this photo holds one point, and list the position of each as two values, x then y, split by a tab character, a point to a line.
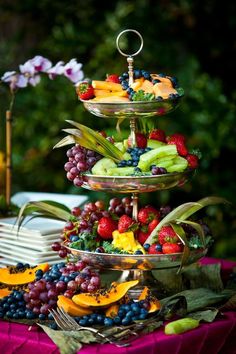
68	166
61	286
78	181
43	296
82	166
114	202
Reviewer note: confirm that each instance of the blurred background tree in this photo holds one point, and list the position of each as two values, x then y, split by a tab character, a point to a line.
193	40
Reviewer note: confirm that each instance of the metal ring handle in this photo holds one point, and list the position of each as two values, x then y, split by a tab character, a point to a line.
118	38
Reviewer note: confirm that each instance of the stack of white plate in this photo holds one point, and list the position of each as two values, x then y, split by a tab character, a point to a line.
32	242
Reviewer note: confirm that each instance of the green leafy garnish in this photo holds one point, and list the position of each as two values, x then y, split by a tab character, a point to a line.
140	95
86	242
109	248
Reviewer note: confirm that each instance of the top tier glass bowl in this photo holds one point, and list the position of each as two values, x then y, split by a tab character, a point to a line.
135	109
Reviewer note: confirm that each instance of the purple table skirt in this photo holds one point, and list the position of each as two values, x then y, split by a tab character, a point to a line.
217	337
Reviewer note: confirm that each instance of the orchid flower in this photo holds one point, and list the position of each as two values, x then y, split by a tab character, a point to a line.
73	72
41	64
58	69
15	80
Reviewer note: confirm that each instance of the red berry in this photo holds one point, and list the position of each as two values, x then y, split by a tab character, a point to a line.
124	223
152	225
192	161
76	211
85	91
179	141
153	249
106	226
167	234
147	214
142	236
141	140
171	248
113	78
158	134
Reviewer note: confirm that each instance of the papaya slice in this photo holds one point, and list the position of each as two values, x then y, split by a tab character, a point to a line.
104	299
20	278
71	308
155	304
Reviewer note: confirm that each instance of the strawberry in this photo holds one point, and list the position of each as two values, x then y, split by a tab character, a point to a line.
124	223
141	140
155	249
169	247
143	234
113	78
192	161
152	225
85	91
106	225
147	214
179	141
167	234
158	134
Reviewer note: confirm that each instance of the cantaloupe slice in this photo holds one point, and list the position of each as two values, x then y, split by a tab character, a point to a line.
165	80
163	90
147	86
105	85
137	84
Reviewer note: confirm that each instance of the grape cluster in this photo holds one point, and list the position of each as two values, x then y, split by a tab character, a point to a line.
80	160
60	279
127	313
121	206
135	154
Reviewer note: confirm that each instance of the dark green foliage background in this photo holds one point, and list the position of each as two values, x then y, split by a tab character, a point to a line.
193	40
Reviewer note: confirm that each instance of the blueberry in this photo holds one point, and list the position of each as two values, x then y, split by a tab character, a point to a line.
15	316
30	315
100	318
42	316
130	90
125	75
91	321
39	273
9	314
155	81
108	321
143	311
20	265
126	321
159	98
146	246
137	169
174	81
74	238
171	95
83	322
129	150
121	313
138	252
130	314
162	75
67	279
146	74
135	308
13	306
129	163
147	149
124	84
137	73
159	248
53	325
6	306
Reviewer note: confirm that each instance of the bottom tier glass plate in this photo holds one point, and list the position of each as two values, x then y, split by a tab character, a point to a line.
135	184
129	262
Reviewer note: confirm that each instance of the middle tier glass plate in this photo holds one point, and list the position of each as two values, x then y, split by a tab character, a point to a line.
137	109
135	184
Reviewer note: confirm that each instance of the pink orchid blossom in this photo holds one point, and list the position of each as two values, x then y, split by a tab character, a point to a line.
34	80
15	80
27	68
57	69
73	72
40	63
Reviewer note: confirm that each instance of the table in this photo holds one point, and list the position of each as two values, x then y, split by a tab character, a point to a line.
218	337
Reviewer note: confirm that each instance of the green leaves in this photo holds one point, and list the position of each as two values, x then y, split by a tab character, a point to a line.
183	212
69	342
44	209
91	140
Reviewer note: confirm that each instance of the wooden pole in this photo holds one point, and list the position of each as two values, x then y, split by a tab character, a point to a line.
8	156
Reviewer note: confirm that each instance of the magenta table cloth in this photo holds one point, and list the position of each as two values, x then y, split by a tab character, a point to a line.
218	337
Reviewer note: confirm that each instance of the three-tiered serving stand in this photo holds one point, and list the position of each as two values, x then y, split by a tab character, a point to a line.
134	266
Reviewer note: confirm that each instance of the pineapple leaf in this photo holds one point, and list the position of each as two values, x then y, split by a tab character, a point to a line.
197	227
109	148
184	211
182	236
67	140
49	209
